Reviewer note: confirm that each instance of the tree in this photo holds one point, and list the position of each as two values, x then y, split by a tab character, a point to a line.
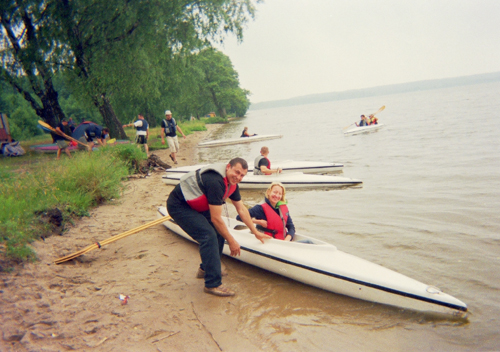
118	45
220	83
27	54
111	50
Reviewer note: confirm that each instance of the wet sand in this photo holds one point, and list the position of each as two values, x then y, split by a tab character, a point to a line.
76	305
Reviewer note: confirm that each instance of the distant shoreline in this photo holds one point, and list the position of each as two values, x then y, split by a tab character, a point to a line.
380	90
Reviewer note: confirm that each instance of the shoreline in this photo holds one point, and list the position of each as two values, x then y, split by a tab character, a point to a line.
76	306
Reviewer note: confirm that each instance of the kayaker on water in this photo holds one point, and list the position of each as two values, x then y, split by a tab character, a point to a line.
262	165
363	121
196	206
246	134
272	217
372	120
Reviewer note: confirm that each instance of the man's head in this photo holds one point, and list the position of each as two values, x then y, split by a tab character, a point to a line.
236	169
140	117
105	132
64	122
168	114
363	117
264	151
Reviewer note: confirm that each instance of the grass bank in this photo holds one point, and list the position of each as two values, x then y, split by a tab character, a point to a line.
68	187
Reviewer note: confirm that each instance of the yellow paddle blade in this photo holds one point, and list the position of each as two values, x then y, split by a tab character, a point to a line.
46	125
111	141
379	110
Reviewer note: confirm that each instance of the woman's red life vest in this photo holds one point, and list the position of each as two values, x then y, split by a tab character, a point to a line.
193	190
275	222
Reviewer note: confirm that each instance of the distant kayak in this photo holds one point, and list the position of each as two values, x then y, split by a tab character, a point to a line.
356	129
222	142
296	180
52	147
307	167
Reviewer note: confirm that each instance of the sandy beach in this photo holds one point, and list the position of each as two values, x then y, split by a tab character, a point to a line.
76	305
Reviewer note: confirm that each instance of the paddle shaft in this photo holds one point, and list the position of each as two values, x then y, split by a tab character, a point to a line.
42	123
111	240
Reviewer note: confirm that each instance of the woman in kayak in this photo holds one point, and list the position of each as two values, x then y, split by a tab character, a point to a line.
246	134
272	216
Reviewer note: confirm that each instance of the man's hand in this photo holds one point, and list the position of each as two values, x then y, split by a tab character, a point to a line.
234	246
162	141
261	236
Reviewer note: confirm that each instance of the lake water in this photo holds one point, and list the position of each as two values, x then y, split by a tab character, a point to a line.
429	208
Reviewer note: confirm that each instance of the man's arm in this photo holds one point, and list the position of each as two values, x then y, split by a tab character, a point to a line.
179	129
246	218
220	226
58	129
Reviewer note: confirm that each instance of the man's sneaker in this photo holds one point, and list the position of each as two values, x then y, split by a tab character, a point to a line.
221	291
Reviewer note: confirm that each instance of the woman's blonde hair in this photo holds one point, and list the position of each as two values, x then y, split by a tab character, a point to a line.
268	191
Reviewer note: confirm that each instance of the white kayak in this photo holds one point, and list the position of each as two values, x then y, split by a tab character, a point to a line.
307	167
222	142
289	180
322	265
356	129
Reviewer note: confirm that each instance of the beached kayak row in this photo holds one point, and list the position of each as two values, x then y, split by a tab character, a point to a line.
292	180
322	265
307	167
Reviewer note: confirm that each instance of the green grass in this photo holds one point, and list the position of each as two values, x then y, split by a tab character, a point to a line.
71	185
37	182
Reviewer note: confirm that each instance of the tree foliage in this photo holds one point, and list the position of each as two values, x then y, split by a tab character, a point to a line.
121	57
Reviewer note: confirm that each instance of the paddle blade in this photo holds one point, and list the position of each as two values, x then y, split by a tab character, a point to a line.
46	125
379	110
111	141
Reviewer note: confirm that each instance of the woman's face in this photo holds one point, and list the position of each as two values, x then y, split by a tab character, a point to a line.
275	195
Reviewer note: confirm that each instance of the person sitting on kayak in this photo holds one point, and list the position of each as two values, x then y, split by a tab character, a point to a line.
373	120
246	134
272	217
262	165
362	122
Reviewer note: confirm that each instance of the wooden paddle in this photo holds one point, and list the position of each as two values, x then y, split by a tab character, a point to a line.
46	125
379	110
111	239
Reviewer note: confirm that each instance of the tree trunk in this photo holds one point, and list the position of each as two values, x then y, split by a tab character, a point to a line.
220	109
110	119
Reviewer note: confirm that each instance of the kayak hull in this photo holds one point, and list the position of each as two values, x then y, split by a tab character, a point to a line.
295	180
287	166
322	265
223	142
356	130
52	147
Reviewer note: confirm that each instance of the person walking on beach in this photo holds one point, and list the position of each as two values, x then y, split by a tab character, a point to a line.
169	129
142	134
62	137
196	206
262	165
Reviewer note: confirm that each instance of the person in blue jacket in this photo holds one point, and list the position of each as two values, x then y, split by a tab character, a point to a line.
272	217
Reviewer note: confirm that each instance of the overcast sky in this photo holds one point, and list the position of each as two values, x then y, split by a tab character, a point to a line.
301	47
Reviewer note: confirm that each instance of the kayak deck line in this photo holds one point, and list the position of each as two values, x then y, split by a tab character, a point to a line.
345	278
